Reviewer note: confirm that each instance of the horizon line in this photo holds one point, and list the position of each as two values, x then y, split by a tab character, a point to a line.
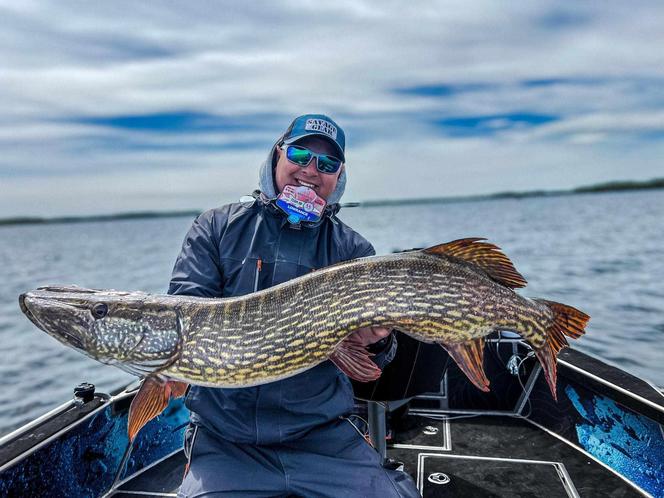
612	186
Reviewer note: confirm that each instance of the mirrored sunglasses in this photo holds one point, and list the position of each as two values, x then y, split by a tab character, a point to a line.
301	156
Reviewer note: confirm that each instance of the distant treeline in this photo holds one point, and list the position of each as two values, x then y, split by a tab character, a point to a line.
102	217
601	187
611	186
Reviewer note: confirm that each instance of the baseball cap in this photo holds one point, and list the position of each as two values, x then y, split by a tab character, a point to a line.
316	124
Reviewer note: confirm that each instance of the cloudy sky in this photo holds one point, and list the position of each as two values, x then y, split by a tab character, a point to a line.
119	106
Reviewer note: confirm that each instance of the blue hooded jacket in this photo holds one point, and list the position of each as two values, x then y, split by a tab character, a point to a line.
220	258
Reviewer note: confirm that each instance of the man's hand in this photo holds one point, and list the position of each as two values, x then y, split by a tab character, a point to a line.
368	335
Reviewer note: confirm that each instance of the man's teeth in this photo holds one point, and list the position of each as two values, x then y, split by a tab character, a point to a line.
305	184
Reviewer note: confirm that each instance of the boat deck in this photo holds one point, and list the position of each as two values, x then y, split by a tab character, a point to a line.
458	455
604	437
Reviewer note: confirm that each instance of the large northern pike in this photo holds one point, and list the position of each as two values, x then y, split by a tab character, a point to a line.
453	294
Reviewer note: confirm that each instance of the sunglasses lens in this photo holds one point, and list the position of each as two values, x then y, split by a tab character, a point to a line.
325	164
298	155
328	164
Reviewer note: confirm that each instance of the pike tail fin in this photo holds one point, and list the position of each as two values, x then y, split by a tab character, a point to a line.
150	400
567	322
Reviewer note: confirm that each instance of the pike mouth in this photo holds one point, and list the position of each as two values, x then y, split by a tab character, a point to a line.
59	333
74	289
24	308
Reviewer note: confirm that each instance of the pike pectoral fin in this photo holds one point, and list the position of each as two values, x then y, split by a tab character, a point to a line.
469	356
354	360
567	321
150	401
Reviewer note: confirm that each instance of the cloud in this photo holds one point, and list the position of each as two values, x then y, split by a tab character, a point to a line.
119	90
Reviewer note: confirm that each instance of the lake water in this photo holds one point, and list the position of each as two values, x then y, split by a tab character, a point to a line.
603	253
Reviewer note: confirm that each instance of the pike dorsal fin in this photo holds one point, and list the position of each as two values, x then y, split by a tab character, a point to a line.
469	356
487	256
150	400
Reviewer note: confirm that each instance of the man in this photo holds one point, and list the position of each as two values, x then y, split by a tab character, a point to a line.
289	437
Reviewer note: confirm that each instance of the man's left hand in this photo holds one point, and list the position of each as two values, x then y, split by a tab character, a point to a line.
368	335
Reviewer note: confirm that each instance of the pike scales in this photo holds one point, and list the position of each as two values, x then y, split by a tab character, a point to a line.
453	294
280	331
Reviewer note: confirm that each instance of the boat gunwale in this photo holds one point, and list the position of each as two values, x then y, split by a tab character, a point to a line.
106	401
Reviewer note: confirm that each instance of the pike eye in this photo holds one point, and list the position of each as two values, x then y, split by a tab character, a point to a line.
99	310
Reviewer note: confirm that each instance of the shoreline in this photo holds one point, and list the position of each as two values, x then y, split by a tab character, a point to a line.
618	186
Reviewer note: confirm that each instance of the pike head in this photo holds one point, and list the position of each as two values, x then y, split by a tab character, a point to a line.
131	330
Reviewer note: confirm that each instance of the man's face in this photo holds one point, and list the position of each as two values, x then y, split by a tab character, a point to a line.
288	173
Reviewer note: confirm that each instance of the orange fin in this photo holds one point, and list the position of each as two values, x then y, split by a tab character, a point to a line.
178	389
485	255
469	356
150	400
354	360
567	321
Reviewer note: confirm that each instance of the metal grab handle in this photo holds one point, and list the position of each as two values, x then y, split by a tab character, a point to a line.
377	427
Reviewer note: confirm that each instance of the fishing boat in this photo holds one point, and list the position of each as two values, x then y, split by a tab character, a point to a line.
603	437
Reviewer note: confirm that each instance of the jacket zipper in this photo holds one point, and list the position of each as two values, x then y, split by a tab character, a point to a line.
259	267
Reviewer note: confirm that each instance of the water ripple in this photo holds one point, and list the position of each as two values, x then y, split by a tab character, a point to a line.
601	253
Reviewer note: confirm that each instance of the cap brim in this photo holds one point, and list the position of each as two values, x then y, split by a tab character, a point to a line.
323	135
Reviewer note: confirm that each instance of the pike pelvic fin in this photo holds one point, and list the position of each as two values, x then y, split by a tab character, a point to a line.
469	356
354	360
487	256
150	400
567	321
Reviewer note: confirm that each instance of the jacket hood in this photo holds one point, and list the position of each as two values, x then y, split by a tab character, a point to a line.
269	189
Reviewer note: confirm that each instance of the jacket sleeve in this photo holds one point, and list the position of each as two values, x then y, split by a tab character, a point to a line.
385	349
197	270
